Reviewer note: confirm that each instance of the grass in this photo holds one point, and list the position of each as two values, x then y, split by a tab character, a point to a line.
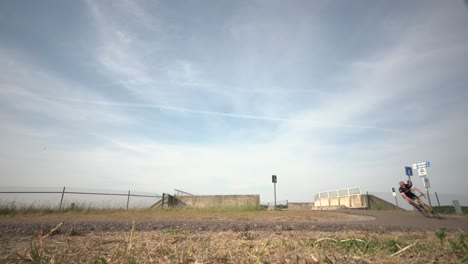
12	209
183	246
82	212
240	247
448	209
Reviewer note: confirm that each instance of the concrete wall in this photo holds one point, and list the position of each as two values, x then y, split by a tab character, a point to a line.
300	206
206	201
352	201
337	207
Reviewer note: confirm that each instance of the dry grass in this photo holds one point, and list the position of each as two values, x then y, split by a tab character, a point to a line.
177	213
182	246
174	246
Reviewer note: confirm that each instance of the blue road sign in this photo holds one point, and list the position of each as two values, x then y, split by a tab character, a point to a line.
428	164
409	171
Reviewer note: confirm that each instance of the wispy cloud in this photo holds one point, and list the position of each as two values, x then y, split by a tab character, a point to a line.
216	99
202	112
29	90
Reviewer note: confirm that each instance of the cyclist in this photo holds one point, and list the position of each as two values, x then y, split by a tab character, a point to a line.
408	195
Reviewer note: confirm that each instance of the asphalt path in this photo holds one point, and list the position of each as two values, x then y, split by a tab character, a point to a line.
402	220
346	220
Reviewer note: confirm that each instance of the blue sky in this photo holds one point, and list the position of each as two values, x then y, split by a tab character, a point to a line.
213	97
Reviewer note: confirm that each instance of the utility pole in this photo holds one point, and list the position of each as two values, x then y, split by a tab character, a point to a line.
274	180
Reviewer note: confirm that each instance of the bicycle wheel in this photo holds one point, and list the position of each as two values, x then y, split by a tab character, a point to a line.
422	210
435	214
425	213
430	211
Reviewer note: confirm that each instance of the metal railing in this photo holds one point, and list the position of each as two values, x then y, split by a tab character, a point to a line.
64	191
181	193
338	193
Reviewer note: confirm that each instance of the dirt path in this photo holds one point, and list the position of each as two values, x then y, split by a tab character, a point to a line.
345	220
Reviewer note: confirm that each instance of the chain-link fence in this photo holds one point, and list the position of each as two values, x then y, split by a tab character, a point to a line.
66	197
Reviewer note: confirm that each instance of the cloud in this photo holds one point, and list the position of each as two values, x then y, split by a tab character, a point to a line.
220	107
27	89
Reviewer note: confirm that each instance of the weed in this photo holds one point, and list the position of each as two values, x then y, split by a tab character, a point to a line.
440	233
379	207
247	236
8	208
172	231
74	232
460	243
463	240
36	251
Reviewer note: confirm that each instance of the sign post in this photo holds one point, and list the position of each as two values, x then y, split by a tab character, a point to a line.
274	180
409	172
422	171
394	195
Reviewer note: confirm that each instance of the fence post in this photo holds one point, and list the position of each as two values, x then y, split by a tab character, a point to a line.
61	200
368	201
128	198
162	204
437	197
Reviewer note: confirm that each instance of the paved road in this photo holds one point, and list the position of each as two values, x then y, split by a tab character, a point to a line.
354	220
402	220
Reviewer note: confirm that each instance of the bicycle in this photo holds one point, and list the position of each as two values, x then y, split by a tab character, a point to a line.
423	208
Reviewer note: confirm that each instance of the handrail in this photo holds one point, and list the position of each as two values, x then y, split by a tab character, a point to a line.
181	193
338	193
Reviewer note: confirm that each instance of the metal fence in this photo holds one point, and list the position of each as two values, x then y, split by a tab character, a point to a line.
181	193
338	193
67	196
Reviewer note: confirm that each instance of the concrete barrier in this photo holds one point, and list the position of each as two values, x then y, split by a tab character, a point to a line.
220	201
332	207
354	201
351	201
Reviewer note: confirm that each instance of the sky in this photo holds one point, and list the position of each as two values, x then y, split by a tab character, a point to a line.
214	97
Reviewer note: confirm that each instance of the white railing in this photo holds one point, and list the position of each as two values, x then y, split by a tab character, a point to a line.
338	193
181	193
